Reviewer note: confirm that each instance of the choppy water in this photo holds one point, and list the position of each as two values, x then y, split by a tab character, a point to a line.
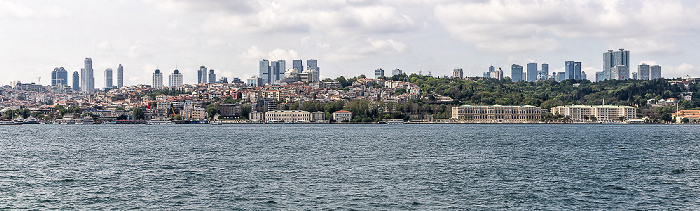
365	167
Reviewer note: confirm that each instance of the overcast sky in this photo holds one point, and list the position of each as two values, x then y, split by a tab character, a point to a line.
347	37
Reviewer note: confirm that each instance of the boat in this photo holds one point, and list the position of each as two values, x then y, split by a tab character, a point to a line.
8	122
85	121
159	122
31	120
215	123
394	122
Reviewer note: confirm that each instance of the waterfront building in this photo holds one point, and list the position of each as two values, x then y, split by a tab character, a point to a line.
76	81
175	79
288	116
643	71
256	116
297	64
340	116
212	76
378	73
265	72
230	110
108	78
620	72
516	73
603	113
655	72
615	58
59	76
458	73
87	80
157	79
497	113
692	116
120	76
202	75
531	72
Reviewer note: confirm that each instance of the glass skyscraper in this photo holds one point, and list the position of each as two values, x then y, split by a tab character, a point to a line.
87	80
108	78
120	76
516	73
76	81
531	72
59	75
614	58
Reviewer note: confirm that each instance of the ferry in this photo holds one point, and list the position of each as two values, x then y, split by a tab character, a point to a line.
85	121
159	122
31	120
395	122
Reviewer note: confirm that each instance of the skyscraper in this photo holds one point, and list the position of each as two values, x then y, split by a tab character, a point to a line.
516	73
458	73
643	71
212	76
614	58
312	64
202	75
655	72
620	72
396	72
120	76
281	66
264	72
545	69
108	78
157	79
577	71
59	75
175	79
531	72
297	64
568	70
378	73
76	81
87	80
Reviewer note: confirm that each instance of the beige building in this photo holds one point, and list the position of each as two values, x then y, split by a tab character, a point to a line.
287	116
604	113
693	116
497	113
340	116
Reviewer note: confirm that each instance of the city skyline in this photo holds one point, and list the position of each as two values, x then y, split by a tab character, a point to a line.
413	36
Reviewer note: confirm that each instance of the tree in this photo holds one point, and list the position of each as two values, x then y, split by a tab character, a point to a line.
212	110
593	118
138	114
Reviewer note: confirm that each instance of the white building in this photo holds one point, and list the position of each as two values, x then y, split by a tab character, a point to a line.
157	79
605	113
340	116
175	79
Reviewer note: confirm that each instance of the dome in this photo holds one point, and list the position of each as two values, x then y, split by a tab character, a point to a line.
157	71
176	71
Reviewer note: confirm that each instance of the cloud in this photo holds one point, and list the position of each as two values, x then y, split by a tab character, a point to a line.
353	51
679	70
644	46
17	9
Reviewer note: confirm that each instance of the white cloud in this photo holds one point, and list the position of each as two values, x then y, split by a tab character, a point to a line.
683	69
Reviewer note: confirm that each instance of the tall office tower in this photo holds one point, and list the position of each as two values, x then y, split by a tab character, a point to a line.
313	64
620	72
568	70
458	73
577	71
531	72
643	71
499	74
157	79
264	72
87	80
599	76
583	75
76	81
516	73
561	76
212	76
59	75
274	72
108	78
281	66
120	76
491	68
545	69
378	73
175	79
396	72
655	72
202	75
297	64
614	58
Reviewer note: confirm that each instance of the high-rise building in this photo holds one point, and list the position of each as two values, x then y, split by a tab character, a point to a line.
396	72
157	79
108	78
458	73
561	76
175	79
599	76
499	74
620	72
281	66
265	72
297	64
568	70
76	81
545	69
635	75
614	58
516	73
583	75
643	71
531	72
59	75
120	76
87	80
655	72
202	75
212	76
378	73
312	64
577	71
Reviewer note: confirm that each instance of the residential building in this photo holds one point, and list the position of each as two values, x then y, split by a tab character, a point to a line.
655	72
340	116
620	72
59	76
378	73
255	81
108	78
516	73
498	74
458	73
120	76
87	80
175	79
157	79
603	113
497	113
76	81
615	58
531	72
643	71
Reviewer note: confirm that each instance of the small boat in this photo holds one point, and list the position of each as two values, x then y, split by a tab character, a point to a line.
395	122
8	122
159	122
215	123
31	120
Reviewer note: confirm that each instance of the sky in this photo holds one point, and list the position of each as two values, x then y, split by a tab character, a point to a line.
347	37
